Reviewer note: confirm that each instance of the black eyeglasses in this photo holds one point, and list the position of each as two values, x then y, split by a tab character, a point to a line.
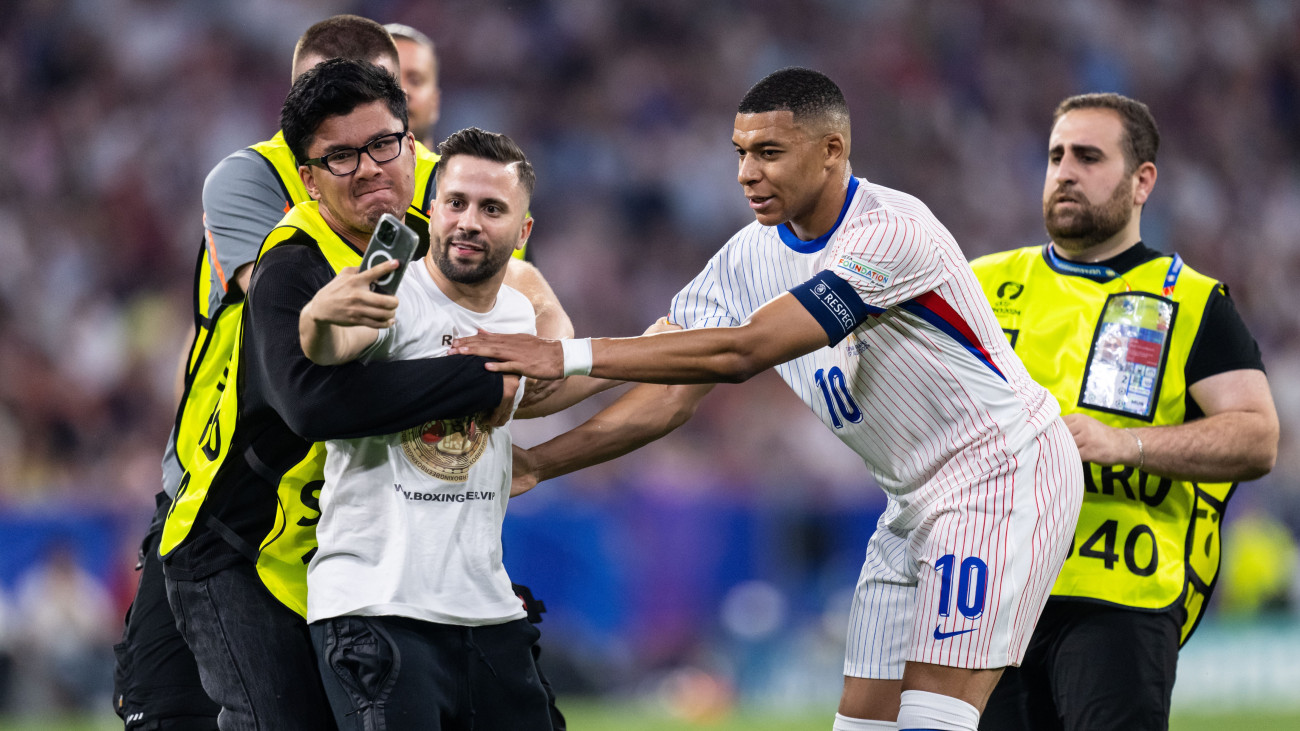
344	162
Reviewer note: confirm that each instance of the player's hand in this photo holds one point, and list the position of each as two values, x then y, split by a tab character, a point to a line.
1099	443
537	389
524	475
505	409
348	300
526	355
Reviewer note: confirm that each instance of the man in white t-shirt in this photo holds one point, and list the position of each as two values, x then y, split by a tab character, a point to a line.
866	307
413	617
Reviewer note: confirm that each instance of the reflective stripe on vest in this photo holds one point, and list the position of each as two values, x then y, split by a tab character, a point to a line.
215	313
1116	350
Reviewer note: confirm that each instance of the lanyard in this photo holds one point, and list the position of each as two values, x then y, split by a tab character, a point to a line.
1171	276
1101	272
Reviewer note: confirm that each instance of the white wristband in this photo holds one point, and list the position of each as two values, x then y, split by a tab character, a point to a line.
577	356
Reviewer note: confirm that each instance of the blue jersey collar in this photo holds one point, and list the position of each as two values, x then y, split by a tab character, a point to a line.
819	243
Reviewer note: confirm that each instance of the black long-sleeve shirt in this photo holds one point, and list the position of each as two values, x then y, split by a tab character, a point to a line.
287	403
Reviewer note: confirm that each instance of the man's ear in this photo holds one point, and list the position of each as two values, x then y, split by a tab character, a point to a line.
308	179
835	148
524	233
1146	181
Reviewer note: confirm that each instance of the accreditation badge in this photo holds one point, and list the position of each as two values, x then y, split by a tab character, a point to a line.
1128	355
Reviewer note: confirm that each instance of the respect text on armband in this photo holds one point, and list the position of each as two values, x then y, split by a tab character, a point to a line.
835	305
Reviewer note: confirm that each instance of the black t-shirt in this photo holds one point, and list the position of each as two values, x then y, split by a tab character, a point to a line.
1222	344
287	403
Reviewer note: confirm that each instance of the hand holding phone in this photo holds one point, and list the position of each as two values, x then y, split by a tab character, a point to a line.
391	239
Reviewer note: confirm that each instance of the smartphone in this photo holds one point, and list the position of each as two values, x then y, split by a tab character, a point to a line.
392	239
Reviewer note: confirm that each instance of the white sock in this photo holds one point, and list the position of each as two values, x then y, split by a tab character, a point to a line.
844	723
922	711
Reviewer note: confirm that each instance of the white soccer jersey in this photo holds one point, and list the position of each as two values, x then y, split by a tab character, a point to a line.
982	476
927	391
411	523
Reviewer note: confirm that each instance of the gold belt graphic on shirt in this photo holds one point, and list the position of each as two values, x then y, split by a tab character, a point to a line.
446	448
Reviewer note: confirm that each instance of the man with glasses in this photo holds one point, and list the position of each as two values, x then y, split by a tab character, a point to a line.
157	683
238	538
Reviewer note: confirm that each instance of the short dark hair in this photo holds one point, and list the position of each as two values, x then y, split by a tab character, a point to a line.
346	36
492	146
804	92
1141	136
335	87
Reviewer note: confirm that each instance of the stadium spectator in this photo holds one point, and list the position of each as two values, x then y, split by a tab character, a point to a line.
61	627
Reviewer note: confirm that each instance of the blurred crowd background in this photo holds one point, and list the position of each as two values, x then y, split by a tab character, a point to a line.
719	558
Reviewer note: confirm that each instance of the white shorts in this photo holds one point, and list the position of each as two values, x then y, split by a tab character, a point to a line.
965	587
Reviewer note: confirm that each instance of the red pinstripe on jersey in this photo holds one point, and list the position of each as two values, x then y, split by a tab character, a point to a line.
946	413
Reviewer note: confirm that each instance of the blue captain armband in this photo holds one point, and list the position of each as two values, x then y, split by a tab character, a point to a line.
834	303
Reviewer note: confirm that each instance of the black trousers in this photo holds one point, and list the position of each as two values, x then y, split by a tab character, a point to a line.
1090	667
155	679
394	673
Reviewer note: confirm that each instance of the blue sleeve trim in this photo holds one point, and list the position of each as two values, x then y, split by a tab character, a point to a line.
834	304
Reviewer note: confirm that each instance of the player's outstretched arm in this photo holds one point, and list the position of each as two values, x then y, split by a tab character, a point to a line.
777	332
638	417
1236	440
571	390
345	316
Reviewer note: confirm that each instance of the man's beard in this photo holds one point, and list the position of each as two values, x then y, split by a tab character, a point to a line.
465	274
1090	224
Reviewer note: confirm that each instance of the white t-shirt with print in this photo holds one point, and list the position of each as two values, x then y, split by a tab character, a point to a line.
411	523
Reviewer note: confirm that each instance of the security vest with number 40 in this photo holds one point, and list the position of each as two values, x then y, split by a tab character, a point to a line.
1114	346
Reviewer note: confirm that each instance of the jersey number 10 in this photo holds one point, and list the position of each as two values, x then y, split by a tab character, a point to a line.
839	403
972	579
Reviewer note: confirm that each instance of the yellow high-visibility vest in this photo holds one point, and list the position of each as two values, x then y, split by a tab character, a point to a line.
283	553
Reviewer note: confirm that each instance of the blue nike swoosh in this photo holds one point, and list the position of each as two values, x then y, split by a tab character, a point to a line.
945	635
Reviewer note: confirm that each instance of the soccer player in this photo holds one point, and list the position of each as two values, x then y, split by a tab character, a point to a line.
1165	393
865	305
412	614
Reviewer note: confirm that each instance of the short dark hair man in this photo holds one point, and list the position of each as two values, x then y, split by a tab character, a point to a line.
410	554
1164	390
865	305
